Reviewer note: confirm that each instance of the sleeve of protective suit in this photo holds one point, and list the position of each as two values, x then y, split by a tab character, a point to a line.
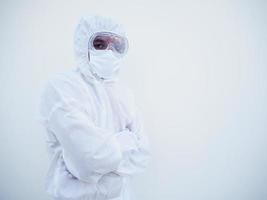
88	151
135	146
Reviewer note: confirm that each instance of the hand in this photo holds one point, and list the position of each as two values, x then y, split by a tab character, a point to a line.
127	140
111	185
125	130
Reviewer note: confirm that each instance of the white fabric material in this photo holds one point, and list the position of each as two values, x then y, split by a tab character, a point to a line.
95	136
104	63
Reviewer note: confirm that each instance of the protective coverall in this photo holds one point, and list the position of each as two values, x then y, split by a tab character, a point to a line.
95	137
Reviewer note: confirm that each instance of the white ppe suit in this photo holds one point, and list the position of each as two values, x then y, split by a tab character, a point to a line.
95	136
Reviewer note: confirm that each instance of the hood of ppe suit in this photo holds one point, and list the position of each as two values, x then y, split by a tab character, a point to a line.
87	26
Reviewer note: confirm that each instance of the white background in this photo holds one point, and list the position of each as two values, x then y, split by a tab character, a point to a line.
198	71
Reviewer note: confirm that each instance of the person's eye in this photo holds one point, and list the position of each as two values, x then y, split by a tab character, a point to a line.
100	44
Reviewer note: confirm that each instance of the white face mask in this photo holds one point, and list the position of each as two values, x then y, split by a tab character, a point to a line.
104	63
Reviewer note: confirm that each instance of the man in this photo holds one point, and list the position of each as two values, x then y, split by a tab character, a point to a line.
95	135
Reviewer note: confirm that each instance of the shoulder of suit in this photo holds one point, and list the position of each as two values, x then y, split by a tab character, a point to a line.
69	75
68	80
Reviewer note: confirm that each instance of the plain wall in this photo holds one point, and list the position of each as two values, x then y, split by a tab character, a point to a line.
198	71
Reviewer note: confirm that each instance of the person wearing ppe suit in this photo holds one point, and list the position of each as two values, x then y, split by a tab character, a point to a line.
95	136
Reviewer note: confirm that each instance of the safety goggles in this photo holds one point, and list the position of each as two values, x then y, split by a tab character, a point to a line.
108	40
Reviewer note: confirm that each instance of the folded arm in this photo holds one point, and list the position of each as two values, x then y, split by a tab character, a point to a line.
88	151
135	147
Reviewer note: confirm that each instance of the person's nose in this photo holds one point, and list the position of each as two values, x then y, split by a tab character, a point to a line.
110	47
